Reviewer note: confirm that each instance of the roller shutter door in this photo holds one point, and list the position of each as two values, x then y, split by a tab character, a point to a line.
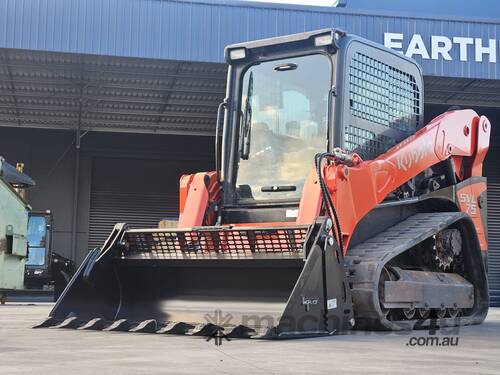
493	174
139	210
139	192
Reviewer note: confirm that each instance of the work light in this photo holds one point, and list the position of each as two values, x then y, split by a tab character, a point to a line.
237	54
324	40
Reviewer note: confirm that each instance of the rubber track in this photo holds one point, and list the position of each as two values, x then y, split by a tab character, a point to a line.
366	261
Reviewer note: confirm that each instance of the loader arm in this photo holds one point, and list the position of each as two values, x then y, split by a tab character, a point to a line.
461	136
199	198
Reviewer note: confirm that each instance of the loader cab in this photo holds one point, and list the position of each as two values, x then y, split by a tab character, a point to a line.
45	269
289	98
37	270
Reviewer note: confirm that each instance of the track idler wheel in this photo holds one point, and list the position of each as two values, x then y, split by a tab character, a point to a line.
441	313
386	275
409	313
424	313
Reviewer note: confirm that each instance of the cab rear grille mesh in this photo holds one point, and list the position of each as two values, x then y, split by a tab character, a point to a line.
384	106
382	94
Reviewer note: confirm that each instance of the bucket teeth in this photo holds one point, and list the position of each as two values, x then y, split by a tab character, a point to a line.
96	324
49	322
71	322
206	329
119	325
176	328
152	326
146	326
241	331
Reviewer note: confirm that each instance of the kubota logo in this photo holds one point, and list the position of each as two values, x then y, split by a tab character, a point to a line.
409	159
470	203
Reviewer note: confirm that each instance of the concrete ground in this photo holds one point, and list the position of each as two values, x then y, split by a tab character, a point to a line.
56	351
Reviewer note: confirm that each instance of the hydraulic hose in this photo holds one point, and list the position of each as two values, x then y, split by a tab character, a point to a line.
327	198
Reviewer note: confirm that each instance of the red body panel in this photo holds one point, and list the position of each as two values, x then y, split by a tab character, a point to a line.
468	198
460	135
198	193
357	190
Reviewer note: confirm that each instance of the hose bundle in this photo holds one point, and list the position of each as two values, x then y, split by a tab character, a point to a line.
327	198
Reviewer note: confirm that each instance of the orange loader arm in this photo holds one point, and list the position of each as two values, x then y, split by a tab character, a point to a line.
357	188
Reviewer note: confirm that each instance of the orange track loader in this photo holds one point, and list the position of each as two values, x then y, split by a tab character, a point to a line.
331	207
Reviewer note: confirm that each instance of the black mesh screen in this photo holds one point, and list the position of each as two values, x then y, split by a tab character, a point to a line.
381	95
366	143
211	242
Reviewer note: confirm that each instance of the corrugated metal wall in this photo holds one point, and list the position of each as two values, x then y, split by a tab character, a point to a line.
102	93
139	191
493	173
199	30
139	210
123	177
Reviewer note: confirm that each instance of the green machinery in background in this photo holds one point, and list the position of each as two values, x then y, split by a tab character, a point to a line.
45	269
14	212
28	266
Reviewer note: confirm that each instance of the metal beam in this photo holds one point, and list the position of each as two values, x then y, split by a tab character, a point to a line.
116	99
462	90
216	91
5	59
464	103
151	74
152	113
130	129
76	171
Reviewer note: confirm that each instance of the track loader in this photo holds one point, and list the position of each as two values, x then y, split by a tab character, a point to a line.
332	207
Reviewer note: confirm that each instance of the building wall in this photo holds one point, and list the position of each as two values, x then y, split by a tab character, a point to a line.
199	30
492	172
41	153
49	158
